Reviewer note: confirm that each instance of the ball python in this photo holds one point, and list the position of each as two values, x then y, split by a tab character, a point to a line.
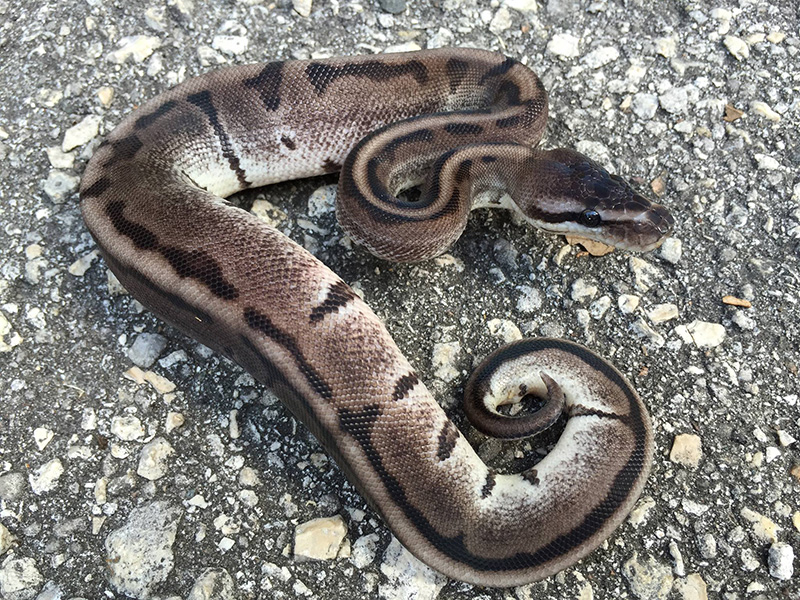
463	124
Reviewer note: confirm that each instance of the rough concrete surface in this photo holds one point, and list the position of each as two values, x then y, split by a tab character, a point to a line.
134	462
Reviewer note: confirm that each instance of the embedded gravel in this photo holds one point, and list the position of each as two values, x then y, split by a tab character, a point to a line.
135	463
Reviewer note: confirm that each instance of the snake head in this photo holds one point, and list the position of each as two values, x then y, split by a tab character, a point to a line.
574	195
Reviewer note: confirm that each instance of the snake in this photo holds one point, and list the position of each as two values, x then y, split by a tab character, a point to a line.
463	125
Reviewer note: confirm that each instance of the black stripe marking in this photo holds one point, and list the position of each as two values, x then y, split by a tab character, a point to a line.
202	100
491	480
199	265
448	437
339	295
497	70
507	122
124	149
463	129
288	142
510	90
140	235
405	384
578	410
418	135
97	188
128	275
260	322
360	423
488	158
463	171
145	121
321	75
268	84
456	72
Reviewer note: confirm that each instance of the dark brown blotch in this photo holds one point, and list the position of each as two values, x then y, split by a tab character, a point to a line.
268	84
97	188
331	166
124	149
204	102
199	265
448	437
288	142
405	384
321	75
463	171
360	423
491	480
140	235
463	129
456	72
339	295
146	121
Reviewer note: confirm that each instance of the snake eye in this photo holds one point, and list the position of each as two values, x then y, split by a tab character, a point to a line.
589	218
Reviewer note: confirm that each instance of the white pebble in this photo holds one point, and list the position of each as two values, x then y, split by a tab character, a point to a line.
764	109
674	100
671	250
81	133
781	561
706	335
232	45
153	459
766	162
60	185
127	427
530	299
42	436
563	45
582	291
644	105
138	47
302	7
737	47
320	539
662	312
601	57
444	360
46	477
687	450
628	303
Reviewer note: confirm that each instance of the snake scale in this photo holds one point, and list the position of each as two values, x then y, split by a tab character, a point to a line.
463	123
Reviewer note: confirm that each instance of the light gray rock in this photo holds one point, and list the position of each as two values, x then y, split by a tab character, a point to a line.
146	348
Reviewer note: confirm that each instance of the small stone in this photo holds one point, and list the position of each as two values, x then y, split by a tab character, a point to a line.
248	477
137	47
6	539
671	250
781	561
394	7
641	328
364	550
139	553
80	266
749	561
46	477
649	580
644	105
174	421
776	37
146	348
582	291
523	5
743	321
706	335
213	584
501	21
707	546
302	7
60	159
564	45
505	330
81	133
662	312
42	436
444	360
407	577
772	453
127	428
322	201
106	95
628	303
763	109
641	511
692	588
764	528
796	520
320	539
12	486
687	450
767	163
785	438
530	300
599	307
600	57
153	459
19	579
232	45
667	46
675	100
60	185
645	275
737	47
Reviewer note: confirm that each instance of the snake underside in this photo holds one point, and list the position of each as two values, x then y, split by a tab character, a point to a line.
463	122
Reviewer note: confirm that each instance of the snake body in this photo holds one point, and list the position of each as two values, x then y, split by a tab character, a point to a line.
461	122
